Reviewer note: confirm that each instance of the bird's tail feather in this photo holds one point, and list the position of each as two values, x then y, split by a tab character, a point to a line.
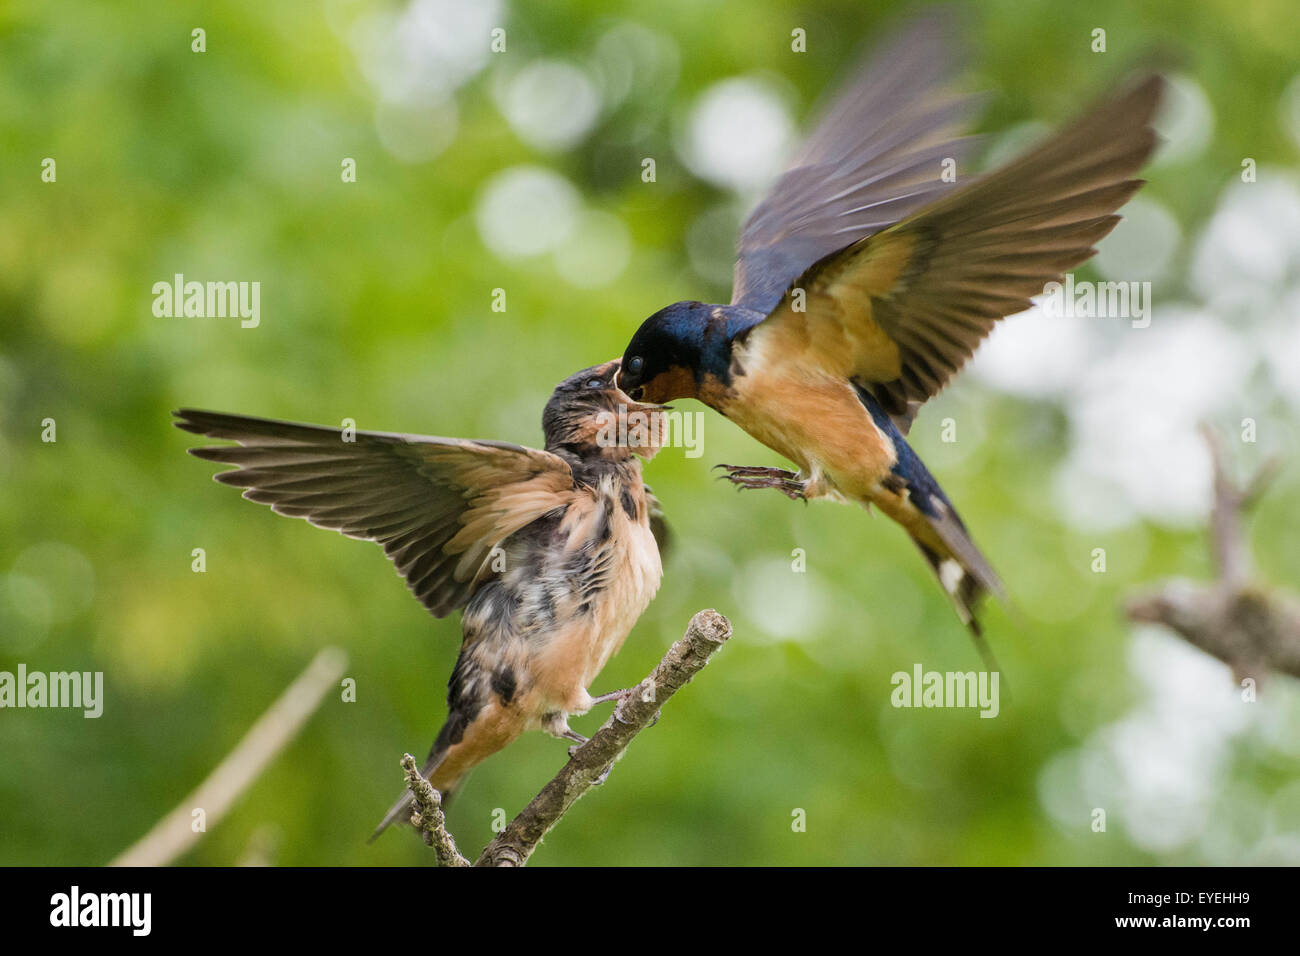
965	581
914	499
401	810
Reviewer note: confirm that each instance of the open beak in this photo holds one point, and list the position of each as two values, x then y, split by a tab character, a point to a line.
633	405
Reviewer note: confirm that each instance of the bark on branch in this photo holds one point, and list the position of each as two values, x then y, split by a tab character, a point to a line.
589	763
1245	624
428	818
707	632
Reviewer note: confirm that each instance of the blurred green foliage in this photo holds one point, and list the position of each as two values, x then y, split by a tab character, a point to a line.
376	306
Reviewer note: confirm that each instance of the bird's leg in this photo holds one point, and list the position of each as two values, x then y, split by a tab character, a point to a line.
567	733
616	695
754	476
556	723
612	695
620	696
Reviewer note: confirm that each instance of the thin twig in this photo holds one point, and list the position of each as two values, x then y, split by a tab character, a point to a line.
706	633
174	834
428	818
1248	626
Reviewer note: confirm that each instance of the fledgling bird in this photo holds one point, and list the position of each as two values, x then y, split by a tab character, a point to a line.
551	555
863	283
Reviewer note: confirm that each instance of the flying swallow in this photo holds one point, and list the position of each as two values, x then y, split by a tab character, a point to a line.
863	283
550	555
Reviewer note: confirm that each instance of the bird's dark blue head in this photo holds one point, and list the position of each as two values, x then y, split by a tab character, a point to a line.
683	351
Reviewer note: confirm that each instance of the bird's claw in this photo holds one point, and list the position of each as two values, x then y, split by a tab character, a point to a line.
756	476
622	696
617	695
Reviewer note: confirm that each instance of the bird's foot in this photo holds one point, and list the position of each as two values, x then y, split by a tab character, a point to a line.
622	696
754	476
612	695
619	696
577	738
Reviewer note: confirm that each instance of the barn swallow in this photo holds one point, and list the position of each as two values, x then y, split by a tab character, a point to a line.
550	555
863	283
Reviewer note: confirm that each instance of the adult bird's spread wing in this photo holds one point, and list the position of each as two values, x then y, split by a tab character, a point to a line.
901	311
874	158
437	506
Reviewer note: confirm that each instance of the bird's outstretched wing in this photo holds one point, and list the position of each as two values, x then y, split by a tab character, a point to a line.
437	506
875	157
901	311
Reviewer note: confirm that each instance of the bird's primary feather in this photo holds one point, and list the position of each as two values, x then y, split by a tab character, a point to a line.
872	160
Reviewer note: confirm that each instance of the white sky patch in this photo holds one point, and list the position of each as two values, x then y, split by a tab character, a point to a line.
1159	770
738	134
1134	420
423	53
1252	242
1185	121
1282	346
1035	355
550	104
525	211
1172	749
1142	245
596	253
1136	396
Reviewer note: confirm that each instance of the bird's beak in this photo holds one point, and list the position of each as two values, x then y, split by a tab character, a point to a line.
634	405
634	396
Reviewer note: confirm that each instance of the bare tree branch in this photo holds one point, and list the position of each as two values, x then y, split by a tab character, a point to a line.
428	818
1231	502
174	834
589	763
1243	623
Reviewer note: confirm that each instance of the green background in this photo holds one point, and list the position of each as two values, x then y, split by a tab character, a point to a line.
376	306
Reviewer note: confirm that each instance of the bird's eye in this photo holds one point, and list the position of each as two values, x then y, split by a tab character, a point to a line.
635	364
595	383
